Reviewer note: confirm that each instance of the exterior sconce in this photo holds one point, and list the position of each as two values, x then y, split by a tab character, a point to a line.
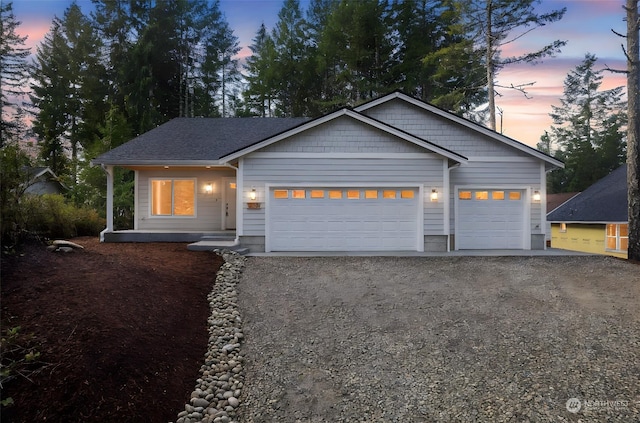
536	196
208	188
434	195
253	196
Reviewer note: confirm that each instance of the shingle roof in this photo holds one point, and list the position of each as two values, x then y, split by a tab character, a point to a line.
196	139
556	200
604	201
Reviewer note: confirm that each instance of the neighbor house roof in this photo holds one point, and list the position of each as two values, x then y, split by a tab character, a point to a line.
604	201
195	140
556	200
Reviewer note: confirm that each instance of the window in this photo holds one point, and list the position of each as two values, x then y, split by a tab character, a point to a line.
317	193
514	195
388	194
371	194
298	193
173	197
563	227
464	195
482	195
497	195
617	238
281	193
406	194
335	194
353	194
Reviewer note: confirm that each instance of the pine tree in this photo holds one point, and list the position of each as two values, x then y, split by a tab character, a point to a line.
497	23
289	37
13	74
68	90
357	47
219	68
588	127
261	86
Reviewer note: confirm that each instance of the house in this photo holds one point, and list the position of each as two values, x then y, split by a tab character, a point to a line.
42	180
553	202
395	173
596	220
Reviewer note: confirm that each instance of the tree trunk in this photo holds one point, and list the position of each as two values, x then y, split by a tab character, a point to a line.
490	68
633	130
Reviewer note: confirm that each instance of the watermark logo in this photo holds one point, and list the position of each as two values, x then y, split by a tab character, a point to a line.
573	405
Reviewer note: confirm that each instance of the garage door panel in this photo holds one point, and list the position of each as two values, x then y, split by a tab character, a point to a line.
328	224
492	223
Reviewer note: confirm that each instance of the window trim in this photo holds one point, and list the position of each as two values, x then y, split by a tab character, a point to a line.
172	215
617	237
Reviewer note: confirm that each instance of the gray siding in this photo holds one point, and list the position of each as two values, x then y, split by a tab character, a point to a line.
208	206
344	135
439	130
257	172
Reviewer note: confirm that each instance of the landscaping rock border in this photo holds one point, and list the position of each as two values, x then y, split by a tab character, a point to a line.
215	398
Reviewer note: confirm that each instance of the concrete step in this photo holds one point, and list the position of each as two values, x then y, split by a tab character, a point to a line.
210	245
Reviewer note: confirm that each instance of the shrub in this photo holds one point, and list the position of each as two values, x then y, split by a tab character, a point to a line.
53	216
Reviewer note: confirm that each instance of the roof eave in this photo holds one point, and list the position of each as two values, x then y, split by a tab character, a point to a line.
149	163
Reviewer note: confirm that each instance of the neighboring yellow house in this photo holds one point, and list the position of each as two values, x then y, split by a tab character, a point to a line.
596	220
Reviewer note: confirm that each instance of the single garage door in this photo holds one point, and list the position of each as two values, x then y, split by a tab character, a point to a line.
490	219
343	219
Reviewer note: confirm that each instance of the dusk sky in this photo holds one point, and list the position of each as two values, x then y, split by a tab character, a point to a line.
586	26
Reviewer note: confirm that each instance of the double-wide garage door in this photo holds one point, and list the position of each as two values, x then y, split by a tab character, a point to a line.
343	219
490	219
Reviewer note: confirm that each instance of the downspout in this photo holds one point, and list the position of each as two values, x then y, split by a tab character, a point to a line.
239	188
448	204
109	171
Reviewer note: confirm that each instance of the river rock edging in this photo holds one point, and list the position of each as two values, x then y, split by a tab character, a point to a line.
217	391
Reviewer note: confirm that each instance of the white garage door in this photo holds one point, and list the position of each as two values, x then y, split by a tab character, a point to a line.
490	219
343	219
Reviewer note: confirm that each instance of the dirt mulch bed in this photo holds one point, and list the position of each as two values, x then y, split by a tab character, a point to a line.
121	330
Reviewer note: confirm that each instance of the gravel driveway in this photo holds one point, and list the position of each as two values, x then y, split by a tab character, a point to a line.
444	339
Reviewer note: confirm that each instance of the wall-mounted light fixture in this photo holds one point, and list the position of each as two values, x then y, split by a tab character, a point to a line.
208	188
253	197
536	196
434	195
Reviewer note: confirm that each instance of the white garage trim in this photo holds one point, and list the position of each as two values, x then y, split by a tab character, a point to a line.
419	219
525	219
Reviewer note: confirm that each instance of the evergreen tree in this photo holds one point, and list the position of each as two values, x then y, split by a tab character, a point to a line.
588	127
434	58
50	94
13	75
261	86
289	37
497	23
219	67
68	90
357	47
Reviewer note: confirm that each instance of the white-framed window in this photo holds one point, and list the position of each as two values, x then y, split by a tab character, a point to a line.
617	237
173	197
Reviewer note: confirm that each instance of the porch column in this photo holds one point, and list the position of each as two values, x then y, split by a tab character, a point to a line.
109	171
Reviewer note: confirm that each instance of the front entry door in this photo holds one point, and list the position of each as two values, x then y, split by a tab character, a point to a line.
229	204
